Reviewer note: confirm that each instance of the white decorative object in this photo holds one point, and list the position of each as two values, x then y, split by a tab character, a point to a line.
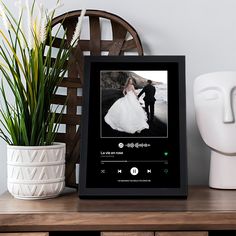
215	105
36	172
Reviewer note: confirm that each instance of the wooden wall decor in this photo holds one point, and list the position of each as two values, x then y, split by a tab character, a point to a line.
125	39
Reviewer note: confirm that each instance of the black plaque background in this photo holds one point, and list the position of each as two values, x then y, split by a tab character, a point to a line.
92	183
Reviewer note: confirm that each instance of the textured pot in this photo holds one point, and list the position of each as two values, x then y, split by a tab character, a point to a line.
36	172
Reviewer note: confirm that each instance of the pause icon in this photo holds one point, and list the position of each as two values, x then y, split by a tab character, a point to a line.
134	171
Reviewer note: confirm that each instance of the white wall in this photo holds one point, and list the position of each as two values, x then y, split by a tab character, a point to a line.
204	31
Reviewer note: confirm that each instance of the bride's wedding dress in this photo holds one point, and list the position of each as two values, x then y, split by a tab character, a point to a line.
127	115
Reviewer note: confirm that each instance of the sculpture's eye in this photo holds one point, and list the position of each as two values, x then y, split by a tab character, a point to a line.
210	95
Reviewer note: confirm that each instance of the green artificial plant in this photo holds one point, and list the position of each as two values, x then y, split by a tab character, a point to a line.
31	72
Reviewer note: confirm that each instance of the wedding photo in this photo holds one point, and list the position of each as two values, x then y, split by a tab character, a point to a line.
134	104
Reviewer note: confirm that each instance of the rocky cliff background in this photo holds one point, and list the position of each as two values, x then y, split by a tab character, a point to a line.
117	79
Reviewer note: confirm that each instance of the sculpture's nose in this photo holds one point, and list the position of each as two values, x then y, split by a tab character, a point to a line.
228	111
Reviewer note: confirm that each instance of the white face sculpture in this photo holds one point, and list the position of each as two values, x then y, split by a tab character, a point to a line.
215	105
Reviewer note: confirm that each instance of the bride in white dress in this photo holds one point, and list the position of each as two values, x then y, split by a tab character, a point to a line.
126	114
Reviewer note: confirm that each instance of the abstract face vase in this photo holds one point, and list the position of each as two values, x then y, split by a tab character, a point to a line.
215	106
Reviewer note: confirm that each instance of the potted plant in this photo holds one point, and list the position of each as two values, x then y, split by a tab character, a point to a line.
30	73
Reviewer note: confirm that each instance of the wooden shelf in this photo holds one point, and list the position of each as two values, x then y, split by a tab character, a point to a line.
205	209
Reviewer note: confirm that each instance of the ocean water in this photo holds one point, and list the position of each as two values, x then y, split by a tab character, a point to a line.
161	93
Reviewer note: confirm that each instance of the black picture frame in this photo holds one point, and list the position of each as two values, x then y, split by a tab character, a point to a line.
91	184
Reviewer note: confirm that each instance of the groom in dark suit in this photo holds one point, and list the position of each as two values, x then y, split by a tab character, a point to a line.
149	90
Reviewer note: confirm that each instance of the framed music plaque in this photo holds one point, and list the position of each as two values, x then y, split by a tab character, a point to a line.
133	131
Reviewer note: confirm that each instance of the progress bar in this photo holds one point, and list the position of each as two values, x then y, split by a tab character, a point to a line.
121	161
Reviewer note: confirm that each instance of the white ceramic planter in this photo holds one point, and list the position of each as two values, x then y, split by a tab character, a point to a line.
36	172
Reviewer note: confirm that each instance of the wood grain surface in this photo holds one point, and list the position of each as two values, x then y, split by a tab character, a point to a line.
181	233
205	209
